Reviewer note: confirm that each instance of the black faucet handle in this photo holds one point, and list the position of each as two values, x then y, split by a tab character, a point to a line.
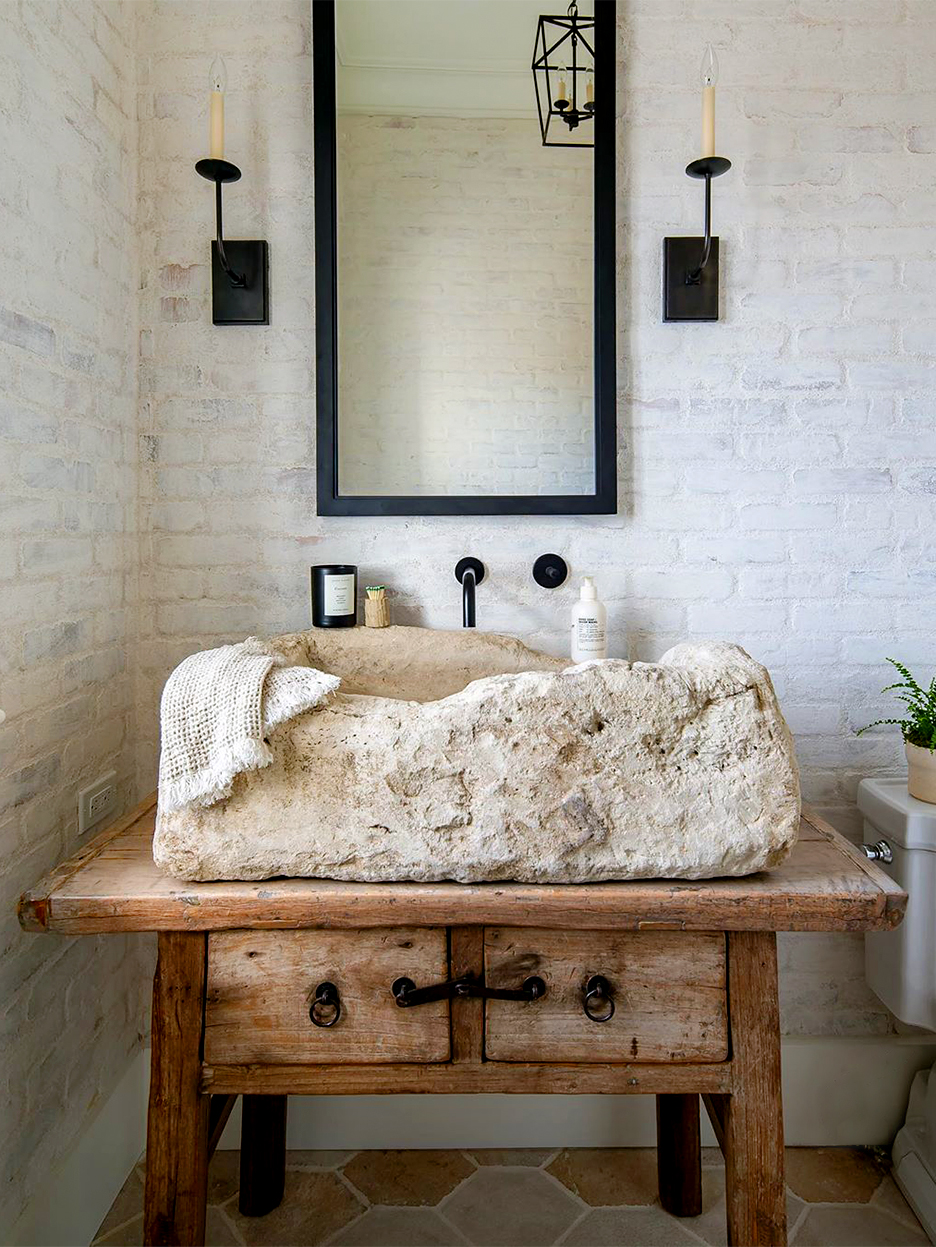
550	571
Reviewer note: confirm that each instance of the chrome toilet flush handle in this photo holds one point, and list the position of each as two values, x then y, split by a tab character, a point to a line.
598	999
326	1005
880	851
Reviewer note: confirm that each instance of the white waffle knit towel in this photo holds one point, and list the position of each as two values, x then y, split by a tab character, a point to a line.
216	709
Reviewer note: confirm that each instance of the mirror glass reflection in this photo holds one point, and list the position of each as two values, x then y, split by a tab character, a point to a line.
465	258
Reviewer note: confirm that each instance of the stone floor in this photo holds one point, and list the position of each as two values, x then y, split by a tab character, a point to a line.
837	1197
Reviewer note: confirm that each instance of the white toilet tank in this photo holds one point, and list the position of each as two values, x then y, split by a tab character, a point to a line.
901	965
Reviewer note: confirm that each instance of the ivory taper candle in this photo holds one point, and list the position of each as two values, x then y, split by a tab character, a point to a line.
709	76
217	83
562	96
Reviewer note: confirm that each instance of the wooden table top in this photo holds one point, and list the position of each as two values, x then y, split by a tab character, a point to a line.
112	884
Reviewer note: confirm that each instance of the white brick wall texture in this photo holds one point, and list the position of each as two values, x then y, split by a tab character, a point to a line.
778	469
466	308
70	1010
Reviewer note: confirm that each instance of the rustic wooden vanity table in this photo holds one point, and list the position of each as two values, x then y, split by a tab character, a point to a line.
305	987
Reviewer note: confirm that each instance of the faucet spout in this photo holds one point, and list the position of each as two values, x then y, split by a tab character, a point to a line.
468	599
469	572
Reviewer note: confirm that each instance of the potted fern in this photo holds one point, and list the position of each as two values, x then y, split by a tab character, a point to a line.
919	731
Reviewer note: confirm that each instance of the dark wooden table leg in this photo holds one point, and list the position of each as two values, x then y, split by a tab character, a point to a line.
263	1154
177	1123
752	1115
679	1154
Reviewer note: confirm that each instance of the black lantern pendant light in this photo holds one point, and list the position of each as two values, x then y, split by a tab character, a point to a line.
564	74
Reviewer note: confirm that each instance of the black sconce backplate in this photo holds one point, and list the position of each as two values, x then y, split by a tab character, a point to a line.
697	300
241	305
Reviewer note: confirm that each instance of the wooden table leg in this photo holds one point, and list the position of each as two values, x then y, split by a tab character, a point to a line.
679	1154
177	1124
263	1154
752	1116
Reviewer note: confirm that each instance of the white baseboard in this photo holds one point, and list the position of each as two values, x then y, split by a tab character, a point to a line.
76	1197
836	1092
849	1092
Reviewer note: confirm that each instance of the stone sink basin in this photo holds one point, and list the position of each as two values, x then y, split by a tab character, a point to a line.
468	756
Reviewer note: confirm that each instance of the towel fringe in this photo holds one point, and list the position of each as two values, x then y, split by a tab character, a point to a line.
216	712
213	783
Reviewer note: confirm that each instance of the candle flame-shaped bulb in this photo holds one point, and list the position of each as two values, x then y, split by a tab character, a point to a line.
217	75
562	95
708	70
217	82
708	73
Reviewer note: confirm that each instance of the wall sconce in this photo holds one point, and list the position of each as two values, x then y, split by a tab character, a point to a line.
690	265
240	283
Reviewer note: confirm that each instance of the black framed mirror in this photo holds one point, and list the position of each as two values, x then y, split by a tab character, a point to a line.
465	267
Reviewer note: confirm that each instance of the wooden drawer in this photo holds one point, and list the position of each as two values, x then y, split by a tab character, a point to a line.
261	985
670	1002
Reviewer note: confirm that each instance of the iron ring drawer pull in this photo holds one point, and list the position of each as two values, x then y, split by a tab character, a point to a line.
599	999
326	1006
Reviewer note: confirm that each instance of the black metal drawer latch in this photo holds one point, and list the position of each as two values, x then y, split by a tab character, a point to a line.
407	994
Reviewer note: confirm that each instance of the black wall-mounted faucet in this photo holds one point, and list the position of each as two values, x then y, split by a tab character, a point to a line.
469	572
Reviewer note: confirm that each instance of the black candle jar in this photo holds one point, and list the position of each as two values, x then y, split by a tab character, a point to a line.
334	595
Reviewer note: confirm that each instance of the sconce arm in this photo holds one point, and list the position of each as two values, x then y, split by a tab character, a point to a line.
708	167
218	171
693	277
236	279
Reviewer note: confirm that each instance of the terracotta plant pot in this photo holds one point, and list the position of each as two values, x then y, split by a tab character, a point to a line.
921	780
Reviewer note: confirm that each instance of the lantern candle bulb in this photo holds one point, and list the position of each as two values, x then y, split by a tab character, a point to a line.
217	84
709	77
562	98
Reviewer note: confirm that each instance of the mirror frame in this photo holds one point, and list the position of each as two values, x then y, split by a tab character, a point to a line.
603	501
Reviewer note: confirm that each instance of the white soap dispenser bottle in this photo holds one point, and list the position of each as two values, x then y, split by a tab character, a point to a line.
589	625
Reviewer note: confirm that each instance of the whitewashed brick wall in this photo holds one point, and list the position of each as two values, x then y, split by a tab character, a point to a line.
466	308
777	468
70	1010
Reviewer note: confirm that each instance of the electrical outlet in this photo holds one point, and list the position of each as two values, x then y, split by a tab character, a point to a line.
97	801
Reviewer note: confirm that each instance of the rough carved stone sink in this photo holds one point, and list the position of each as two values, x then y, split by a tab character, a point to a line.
468	756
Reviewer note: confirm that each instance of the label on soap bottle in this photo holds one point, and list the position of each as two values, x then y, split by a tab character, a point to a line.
339	595
589	637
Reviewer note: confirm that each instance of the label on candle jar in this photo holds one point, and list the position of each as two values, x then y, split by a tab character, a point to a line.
339	595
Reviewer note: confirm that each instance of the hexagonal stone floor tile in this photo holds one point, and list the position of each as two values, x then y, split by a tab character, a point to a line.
511	1208
711	1225
317	1160
528	1198
855	1227
834	1175
613	1227
417	1177
398	1227
534	1157
315	1206
608	1176
889	1198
